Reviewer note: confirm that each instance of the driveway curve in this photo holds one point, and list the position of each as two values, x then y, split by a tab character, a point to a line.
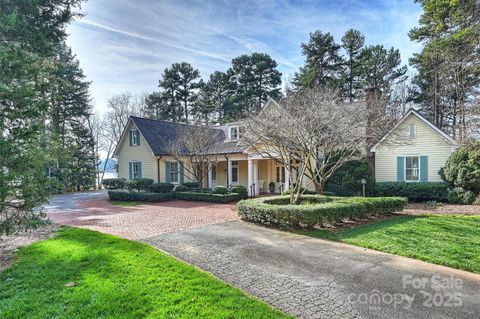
313	278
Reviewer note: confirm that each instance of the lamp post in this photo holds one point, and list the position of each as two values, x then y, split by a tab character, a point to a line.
364	182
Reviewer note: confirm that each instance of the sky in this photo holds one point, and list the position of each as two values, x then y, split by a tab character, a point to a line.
124	45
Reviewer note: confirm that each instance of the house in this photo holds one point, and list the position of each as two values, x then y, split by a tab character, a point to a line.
143	152
413	151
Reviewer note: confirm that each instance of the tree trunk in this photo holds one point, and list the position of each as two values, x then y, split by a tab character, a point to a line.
319	186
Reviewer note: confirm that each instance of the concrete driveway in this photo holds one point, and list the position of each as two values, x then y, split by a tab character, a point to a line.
313	278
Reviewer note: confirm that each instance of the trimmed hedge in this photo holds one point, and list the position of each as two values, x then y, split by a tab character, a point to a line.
161	188
139	184
415	192
222	190
182	188
315	210
192	185
114	183
240	190
124	195
207	197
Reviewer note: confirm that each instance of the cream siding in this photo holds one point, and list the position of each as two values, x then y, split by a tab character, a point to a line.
142	153
428	142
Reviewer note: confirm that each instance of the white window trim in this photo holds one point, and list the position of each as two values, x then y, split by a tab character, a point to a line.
405	168
177	173
133	130
230	133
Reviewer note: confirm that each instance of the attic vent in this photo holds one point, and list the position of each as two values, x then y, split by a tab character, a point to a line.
413	131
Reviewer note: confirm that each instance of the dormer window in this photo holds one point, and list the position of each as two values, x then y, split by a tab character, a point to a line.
234	133
413	131
134	137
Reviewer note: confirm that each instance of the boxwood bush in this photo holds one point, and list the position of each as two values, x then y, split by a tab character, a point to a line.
208	197
315	210
415	192
220	190
240	190
160	188
124	195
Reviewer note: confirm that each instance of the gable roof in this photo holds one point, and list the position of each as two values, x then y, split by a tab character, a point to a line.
159	135
424	120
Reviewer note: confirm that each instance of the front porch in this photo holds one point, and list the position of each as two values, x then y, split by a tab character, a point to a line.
255	173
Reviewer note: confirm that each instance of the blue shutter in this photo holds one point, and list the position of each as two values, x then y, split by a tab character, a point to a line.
167	172
401	169
130	170
139	164
423	169
180	167
130	137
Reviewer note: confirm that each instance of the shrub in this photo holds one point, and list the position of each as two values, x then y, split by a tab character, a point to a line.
182	188
462	168
415	192
346	181
139	184
458	195
240	190
192	185
114	183
161	188
207	197
124	195
315	209
222	190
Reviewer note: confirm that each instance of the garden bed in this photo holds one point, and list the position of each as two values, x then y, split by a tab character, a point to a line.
314	210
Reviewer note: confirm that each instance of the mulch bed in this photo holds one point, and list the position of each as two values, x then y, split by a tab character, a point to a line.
10	244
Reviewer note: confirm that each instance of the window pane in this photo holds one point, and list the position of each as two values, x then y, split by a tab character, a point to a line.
411	168
234	174
214	173
278	174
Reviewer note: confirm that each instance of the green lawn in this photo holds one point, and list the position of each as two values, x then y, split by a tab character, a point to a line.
447	240
115	278
124	204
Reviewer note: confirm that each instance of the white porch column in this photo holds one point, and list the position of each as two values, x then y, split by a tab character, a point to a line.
287	178
250	177
210	184
255	176
229	172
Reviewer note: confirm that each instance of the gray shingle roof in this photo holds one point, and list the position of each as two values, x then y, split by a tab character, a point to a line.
160	134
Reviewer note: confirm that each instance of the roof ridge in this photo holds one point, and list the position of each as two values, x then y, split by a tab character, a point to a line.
176	123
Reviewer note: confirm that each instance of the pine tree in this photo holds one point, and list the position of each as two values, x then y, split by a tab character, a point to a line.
352	42
323	62
187	86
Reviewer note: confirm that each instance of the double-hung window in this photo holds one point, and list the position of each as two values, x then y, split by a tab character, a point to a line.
214	173
234	171
280	174
412	169
134	137
174	172
136	170
234	133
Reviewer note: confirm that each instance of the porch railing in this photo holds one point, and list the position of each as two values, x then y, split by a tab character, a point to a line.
252	190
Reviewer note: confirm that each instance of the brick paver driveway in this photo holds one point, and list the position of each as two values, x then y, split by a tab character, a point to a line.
93	211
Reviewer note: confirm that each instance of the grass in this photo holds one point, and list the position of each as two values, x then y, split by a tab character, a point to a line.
124	203
447	240
115	278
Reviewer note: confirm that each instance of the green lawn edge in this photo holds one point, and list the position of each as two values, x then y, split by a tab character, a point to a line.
115	278
447	240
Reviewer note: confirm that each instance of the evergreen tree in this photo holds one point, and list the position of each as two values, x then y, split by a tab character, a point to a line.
187	86
323	62
448	65
380	68
30	30
212	100
352	42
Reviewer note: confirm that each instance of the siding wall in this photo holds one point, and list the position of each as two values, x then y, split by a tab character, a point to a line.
141	152
427	143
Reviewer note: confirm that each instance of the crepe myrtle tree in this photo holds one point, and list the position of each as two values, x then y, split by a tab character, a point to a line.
193	148
312	130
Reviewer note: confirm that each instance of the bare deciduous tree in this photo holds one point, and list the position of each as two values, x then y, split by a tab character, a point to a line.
313	129
194	146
